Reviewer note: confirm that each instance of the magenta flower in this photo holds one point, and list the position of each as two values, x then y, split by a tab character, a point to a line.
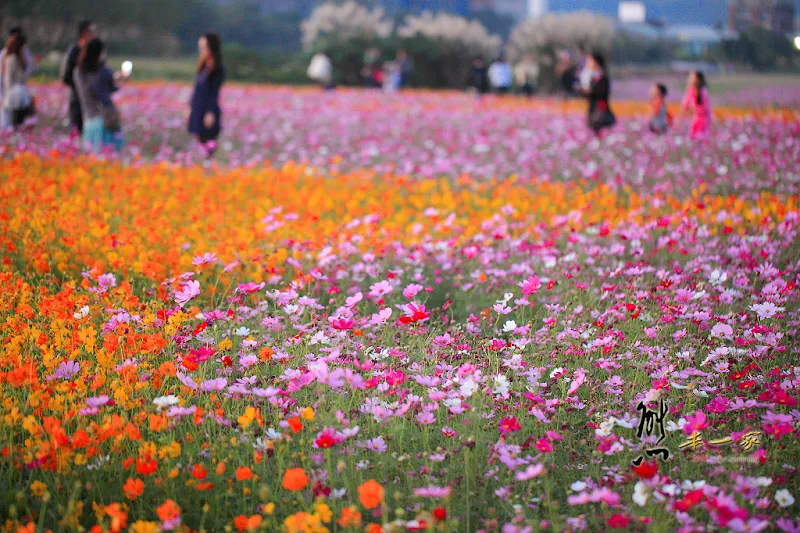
696	422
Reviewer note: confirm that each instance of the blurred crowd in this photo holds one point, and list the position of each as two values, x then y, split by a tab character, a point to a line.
96	119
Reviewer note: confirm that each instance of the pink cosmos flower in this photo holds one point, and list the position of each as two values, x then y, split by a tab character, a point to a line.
107	281
204	259
432	491
381	317
532	471
213	384
696	422
530	285
189	290
412	290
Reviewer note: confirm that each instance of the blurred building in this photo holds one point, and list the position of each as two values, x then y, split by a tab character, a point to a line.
517	9
632	12
459	7
775	15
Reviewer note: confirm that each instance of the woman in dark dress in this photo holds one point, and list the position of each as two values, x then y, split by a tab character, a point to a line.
205	119
600	115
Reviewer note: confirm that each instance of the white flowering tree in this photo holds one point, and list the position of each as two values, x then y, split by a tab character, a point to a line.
344	31
443	46
544	37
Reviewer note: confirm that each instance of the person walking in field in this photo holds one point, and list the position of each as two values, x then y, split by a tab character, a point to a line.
95	85
86	32
205	117
6	117
320	70
479	78
696	100
598	94
17	101
500	76
659	116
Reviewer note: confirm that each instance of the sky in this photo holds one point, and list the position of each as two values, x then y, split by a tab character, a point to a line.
674	11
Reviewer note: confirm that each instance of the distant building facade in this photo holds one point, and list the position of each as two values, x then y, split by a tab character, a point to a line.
517	9
458	7
775	15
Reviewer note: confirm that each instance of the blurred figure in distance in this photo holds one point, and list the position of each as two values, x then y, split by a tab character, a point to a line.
320	70
86	32
205	117
500	75
5	116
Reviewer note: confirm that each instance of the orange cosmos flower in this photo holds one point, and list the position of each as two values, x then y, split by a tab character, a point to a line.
133	488
199	472
295	479
244	523
350	517
295	424
119	518
244	473
370	493
168	511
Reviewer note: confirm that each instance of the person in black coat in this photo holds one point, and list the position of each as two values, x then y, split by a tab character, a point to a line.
205	117
598	94
86	32
479	77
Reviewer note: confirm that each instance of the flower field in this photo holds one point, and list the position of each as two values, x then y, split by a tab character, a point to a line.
392	313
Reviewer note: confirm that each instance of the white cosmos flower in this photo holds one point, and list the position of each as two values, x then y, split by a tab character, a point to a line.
766	310
501	384
165	401
509	326
717	277
784	498
578	486
672	426
468	388
640	494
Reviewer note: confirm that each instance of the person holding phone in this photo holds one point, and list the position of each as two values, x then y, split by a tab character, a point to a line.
86	32
205	115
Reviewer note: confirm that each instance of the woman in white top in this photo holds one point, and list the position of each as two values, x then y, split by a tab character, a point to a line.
16	97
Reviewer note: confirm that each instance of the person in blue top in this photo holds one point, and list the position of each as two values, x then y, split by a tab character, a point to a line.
95	83
205	118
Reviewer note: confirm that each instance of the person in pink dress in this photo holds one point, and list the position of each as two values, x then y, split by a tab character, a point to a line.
696	100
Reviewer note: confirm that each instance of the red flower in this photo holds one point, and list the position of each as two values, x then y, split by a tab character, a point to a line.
325	441
618	521
691	499
544	446
646	470
509	424
440	513
417	314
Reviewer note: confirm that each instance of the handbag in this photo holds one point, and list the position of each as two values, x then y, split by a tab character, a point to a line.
602	117
112	121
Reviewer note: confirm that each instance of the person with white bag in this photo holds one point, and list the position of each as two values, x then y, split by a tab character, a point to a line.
320	70
5	116
17	101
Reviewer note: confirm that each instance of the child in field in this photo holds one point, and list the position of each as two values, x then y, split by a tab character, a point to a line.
659	116
696	99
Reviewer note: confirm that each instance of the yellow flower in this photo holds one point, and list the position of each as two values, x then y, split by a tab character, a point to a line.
268	508
225	344
172	451
140	526
307	413
247	418
38	488
324	512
